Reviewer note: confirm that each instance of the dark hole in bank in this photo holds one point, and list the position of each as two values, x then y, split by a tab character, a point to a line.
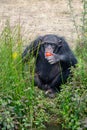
54	127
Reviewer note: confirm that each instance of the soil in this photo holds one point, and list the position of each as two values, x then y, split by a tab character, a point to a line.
39	17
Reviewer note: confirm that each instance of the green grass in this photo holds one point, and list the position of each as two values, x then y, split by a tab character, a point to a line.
14	88
72	101
11	67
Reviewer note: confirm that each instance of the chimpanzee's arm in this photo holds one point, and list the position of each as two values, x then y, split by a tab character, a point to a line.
63	54
65	58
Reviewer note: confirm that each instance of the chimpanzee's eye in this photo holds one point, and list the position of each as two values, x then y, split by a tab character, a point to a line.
42	47
53	46
45	44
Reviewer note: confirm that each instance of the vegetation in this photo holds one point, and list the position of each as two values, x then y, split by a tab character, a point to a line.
73	96
23	106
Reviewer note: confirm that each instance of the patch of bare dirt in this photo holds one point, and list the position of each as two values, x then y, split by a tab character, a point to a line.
39	17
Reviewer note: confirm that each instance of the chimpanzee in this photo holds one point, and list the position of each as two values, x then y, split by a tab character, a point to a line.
53	61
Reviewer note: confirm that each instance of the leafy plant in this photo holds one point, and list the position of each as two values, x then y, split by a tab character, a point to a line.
73	96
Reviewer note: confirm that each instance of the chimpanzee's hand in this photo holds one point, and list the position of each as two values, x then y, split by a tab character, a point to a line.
54	58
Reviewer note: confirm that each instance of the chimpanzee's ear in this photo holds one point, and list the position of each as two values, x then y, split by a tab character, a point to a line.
60	42
37	41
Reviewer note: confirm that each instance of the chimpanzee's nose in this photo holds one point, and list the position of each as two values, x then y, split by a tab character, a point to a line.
49	47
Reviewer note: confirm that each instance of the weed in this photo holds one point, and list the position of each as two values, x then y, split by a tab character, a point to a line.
73	96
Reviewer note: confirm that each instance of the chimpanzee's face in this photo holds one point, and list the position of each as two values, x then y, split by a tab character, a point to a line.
50	47
51	44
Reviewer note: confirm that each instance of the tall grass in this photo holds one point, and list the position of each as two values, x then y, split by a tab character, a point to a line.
84	22
13	84
73	18
72	100
11	67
